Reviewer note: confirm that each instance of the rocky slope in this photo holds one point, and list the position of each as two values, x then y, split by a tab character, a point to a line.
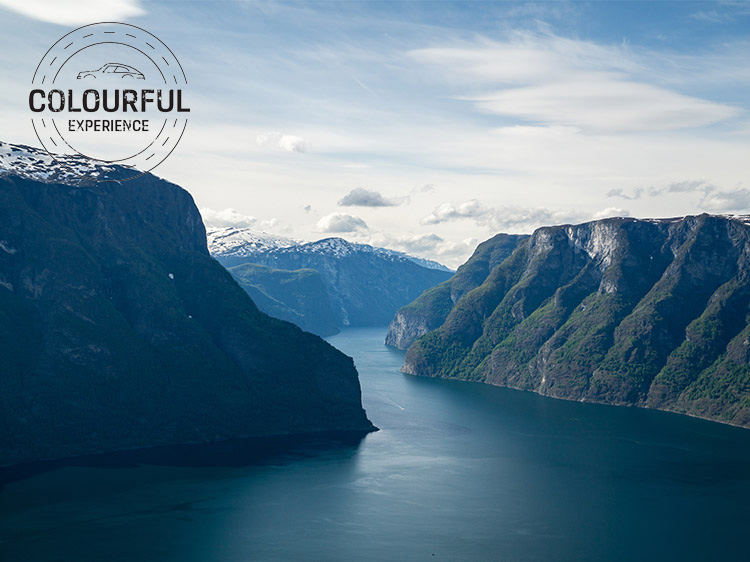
295	296
432	307
651	313
118	330
365	285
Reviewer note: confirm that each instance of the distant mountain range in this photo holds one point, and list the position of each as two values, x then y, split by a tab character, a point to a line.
364	285
118	330
651	313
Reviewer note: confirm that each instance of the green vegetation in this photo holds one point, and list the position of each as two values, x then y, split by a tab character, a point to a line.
432	307
620	311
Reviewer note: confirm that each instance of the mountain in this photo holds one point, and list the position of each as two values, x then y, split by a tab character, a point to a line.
118	330
295	296
651	313
365	285
431	308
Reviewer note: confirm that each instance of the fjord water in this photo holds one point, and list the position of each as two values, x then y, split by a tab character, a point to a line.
458	472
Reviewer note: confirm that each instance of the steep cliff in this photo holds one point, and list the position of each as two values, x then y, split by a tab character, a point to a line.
432	307
118	330
650	313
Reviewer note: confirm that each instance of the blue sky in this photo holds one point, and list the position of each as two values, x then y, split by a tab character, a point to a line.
450	120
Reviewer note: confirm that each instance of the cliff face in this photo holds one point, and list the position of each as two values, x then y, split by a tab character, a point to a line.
620	311
118	330
432	307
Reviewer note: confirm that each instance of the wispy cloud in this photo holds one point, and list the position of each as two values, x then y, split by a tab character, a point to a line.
714	198
549	80
712	16
290	143
622	194
76	12
502	218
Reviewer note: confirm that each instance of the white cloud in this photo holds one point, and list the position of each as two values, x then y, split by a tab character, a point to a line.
448	211
712	16
550	80
290	143
513	218
430	246
500	219
76	12
227	217
361	197
604	105
726	201
340	222
611	212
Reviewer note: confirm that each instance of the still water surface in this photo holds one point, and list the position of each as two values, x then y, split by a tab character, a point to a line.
458	472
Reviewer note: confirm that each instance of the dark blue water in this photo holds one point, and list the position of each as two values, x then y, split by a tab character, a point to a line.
458	472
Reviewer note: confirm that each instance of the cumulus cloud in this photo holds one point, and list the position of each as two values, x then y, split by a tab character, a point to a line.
448	211
554	81
227	217
289	143
726	201
361	197
340	222
76	12
429	246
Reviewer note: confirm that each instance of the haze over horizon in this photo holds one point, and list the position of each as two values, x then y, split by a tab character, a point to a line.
429	127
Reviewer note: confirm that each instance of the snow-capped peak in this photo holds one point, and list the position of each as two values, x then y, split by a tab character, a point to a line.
37	164
225	241
242	242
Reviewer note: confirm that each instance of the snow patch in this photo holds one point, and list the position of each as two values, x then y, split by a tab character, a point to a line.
37	164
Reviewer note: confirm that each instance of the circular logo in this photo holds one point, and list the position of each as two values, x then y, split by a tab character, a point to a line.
111	94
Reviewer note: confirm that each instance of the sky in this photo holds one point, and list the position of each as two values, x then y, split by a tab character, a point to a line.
428	127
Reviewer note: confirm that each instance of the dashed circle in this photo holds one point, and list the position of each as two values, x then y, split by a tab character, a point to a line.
170	131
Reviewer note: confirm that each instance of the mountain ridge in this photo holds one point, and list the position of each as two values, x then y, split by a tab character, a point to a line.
365	285
431	308
650	313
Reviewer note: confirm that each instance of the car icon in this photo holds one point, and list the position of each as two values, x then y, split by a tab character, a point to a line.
113	70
